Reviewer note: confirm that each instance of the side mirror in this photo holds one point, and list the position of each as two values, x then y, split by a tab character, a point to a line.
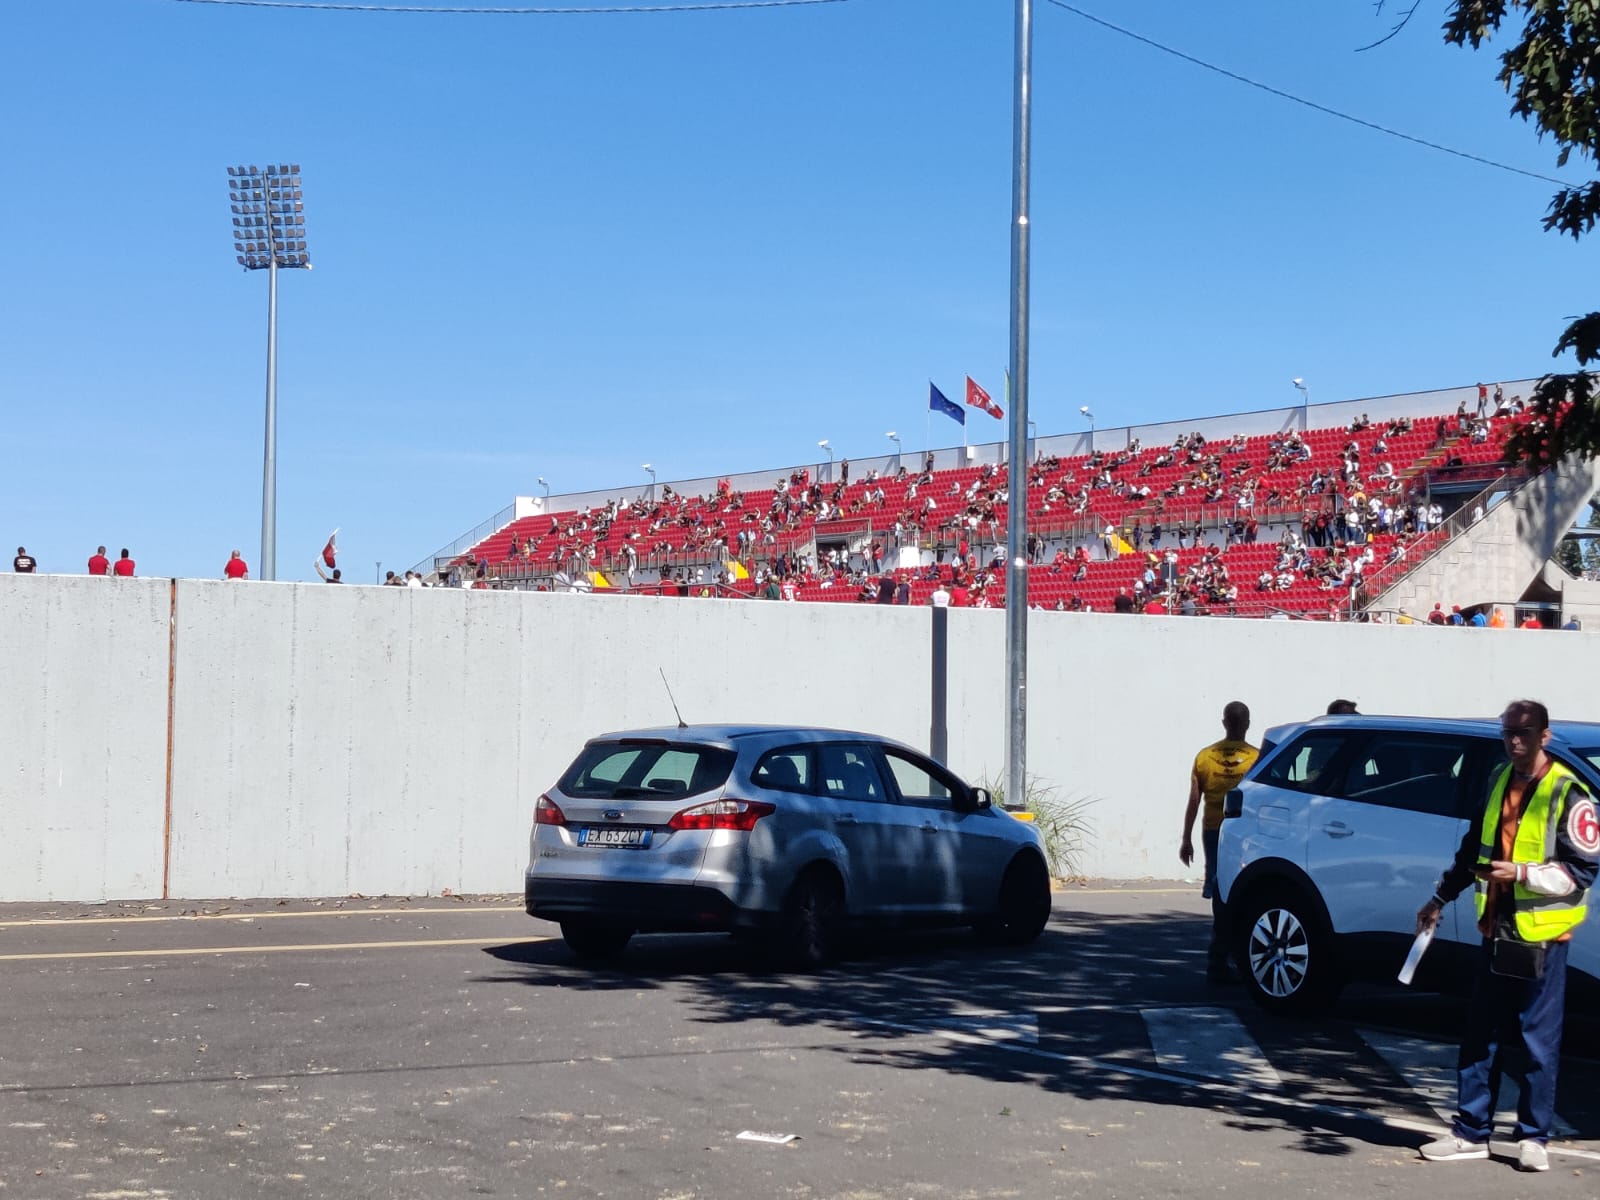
1233	803
979	799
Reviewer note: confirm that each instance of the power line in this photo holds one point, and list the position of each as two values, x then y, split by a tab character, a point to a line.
1311	104
708	6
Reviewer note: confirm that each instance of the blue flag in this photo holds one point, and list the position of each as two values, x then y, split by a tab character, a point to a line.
939	404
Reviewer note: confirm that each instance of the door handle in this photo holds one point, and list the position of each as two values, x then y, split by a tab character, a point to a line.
846	819
929	827
1338	829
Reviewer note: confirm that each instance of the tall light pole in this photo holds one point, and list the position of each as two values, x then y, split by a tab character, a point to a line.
546	488
824	445
269	232
1017	448
1305	402
895	438
652	473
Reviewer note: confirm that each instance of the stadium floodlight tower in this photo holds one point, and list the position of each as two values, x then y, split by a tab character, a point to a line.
895	438
825	444
269	233
1305	402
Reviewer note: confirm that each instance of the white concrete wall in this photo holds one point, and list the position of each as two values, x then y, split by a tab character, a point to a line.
334	740
83	735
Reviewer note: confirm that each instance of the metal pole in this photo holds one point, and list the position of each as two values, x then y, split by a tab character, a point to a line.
269	458
939	727
1017	501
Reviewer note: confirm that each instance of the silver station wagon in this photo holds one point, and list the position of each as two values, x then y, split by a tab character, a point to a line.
792	834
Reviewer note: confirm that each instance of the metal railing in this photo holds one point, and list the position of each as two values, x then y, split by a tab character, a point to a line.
466	541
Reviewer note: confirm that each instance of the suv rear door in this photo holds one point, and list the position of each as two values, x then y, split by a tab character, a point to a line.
1384	825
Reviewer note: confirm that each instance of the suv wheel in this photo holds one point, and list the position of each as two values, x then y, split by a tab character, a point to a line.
1285	951
808	932
594	939
1024	904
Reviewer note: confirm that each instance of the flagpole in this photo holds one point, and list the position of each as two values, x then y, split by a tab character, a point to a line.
1017	486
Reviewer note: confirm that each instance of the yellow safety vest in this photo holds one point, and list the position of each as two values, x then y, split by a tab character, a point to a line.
1538	918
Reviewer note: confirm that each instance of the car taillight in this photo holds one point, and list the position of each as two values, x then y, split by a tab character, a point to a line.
548	812
723	814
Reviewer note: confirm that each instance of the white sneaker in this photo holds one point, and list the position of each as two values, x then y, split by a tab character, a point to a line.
1532	1156
1451	1149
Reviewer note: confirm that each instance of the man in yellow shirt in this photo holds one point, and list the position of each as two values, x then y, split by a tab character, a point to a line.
1217	771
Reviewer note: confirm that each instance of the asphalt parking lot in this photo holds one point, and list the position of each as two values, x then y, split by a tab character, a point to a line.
447	1047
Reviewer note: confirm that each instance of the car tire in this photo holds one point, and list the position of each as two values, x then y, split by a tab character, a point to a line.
1024	907
1285	951
810	920
595	939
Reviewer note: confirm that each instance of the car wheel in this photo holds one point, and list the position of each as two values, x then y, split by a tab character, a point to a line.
1024	904
1285	952
595	939
808	934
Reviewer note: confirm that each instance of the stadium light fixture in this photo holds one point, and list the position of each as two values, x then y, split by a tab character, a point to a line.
895	438
1305	400
652	472
1087	416
269	234
546	488
824	444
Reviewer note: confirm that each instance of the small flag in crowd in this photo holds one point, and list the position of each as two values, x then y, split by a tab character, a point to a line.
330	550
978	398
939	404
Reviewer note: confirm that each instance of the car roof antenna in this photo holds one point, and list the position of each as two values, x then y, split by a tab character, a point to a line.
681	723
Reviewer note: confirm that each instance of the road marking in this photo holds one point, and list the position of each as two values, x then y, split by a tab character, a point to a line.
1429	1069
200	951
262	916
998	1026
1211	1042
1229	1091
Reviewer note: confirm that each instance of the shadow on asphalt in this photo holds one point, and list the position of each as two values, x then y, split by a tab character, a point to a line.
1103	969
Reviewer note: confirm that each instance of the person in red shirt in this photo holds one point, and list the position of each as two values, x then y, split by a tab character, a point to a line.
124	565
237	568
99	564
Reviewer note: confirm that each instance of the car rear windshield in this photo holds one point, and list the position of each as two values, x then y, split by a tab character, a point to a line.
623	769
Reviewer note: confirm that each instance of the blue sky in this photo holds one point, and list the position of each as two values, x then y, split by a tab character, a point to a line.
564	246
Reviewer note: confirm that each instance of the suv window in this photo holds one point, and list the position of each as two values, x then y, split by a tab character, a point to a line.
848	773
1303	766
917	782
617	770
1418	772
787	770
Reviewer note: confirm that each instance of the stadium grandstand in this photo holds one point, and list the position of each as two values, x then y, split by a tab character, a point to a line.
1387	505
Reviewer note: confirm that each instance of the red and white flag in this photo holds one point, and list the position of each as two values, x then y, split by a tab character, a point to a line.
330	550
978	398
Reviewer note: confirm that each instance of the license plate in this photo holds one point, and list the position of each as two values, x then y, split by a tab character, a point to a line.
604	836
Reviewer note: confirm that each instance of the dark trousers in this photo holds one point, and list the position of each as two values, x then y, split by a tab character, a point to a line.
1513	1027
1217	951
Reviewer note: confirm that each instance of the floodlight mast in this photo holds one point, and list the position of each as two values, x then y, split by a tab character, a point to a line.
269	232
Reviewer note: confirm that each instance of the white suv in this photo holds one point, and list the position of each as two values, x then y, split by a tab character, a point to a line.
1340	832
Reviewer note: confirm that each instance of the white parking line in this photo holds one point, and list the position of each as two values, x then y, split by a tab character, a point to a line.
1430	1070
1231	1092
1210	1042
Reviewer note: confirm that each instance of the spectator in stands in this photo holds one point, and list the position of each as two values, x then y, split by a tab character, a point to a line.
886	590
1532	622
237	568
1342	708
23	563
123	567
940	597
336	577
902	592
1437	617
99	564
1455	615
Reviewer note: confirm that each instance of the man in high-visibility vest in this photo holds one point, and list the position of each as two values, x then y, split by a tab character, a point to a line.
1532	856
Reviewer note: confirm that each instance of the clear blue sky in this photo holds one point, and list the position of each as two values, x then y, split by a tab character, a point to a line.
564	246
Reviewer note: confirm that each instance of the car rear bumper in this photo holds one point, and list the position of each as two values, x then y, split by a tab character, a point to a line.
647	907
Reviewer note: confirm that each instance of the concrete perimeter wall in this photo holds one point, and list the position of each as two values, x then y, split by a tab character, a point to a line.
334	740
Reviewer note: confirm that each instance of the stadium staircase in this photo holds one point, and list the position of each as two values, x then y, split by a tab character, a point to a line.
1467	562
